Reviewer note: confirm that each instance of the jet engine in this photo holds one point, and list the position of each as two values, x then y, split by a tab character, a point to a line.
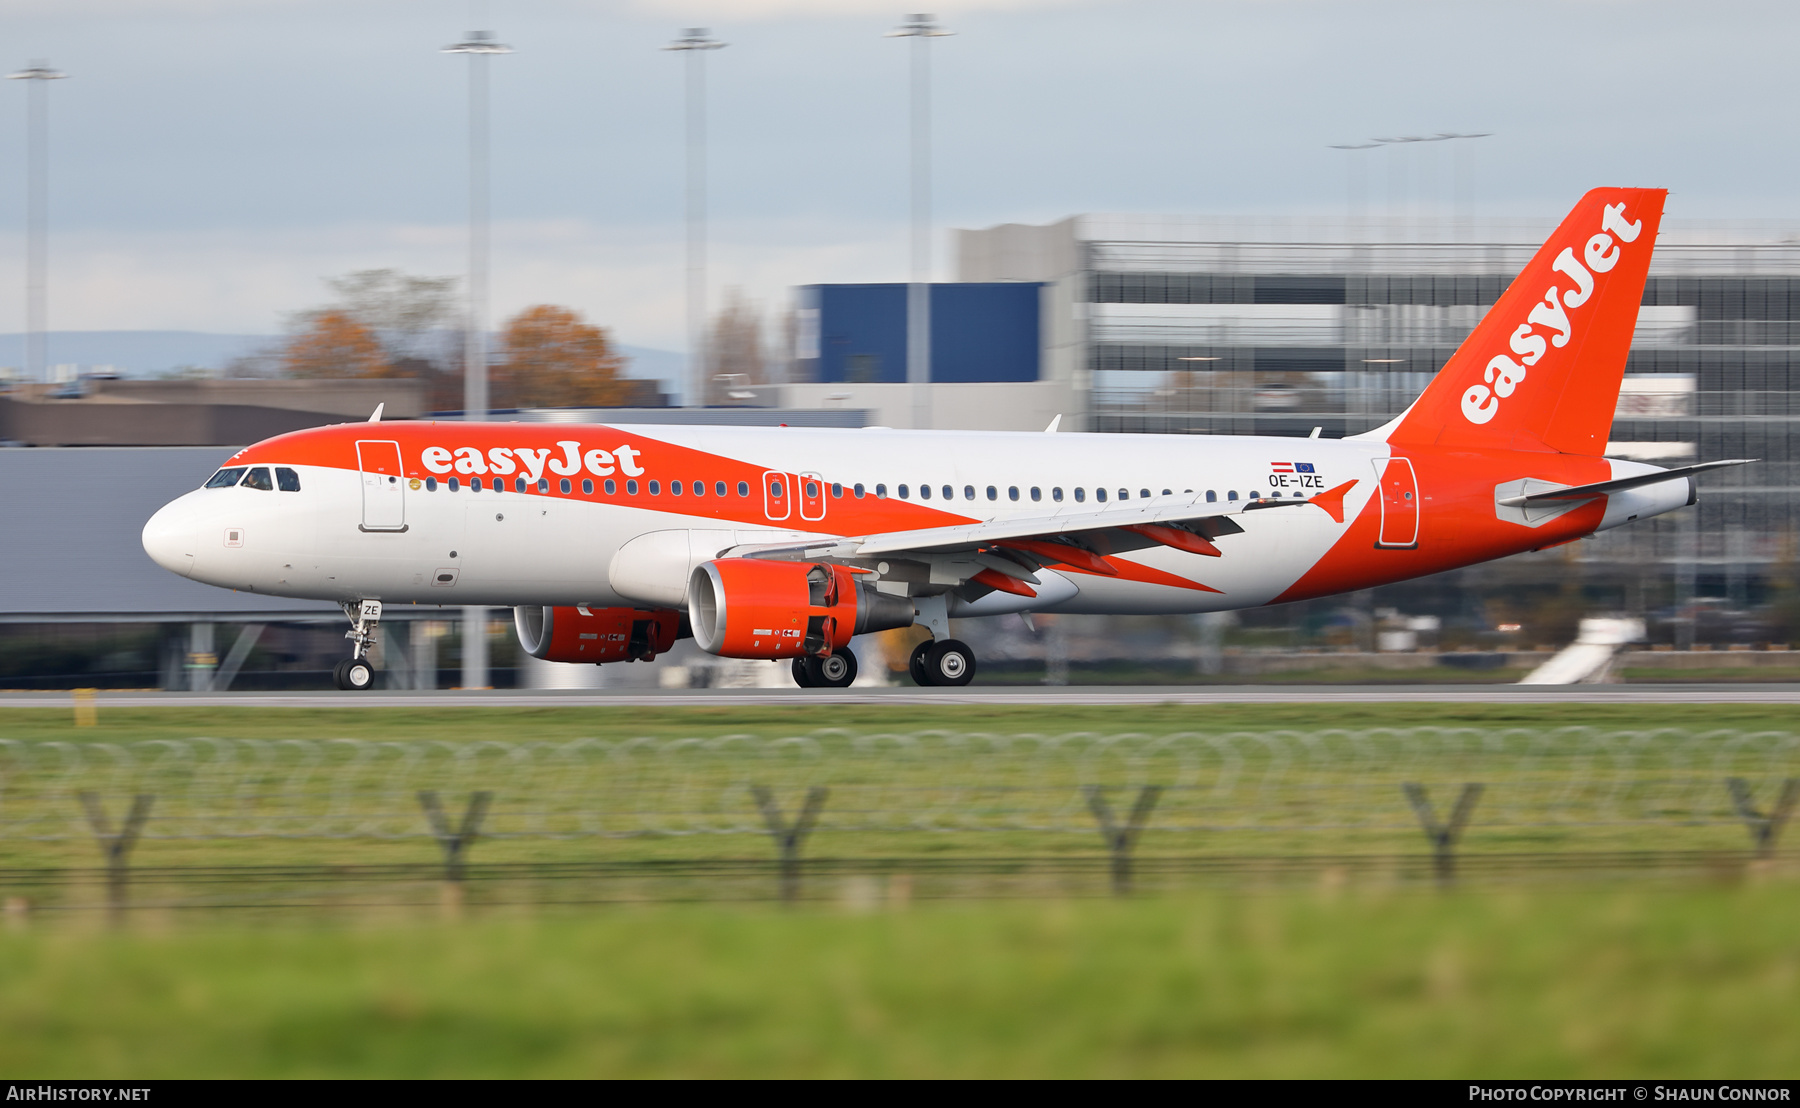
756	608
596	634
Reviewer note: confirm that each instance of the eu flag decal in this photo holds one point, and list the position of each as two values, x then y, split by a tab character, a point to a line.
1303	467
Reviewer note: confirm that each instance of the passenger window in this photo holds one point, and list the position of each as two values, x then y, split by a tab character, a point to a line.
1231	494
719	488
775	489
949	493
903	493
837	491
611	488
259	480
631	488
699	488
881	492
587	486
1056	494
518	485
288	480
475	484
656	488
225	478
455	484
430	484
968	492
1012	492
857	491
812	490
543	484
993	493
1036	494
1125	494
1165	493
565	486
1144	494
674	488
1254	495
1080	496
924	492
1099	494
743	488
1211	496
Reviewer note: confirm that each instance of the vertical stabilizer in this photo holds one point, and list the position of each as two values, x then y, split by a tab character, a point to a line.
1542	369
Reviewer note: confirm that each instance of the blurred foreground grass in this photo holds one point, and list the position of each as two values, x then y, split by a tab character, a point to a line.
1542	982
454	723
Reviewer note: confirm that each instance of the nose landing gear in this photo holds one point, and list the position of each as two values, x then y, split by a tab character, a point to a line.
354	673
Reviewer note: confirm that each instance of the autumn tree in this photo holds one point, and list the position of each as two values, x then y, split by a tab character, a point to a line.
334	344
555	359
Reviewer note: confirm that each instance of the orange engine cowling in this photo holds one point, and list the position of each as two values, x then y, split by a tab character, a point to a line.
753	608
595	634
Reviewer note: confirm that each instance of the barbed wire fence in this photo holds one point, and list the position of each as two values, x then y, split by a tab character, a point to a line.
1431	790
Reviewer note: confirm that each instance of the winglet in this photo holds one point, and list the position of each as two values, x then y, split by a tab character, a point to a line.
1332	500
1054	423
375	416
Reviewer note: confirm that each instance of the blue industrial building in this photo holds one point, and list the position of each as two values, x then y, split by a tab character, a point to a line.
980	332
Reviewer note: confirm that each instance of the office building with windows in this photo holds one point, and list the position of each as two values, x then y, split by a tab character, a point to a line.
1192	325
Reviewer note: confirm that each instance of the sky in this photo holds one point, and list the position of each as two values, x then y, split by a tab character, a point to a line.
213	161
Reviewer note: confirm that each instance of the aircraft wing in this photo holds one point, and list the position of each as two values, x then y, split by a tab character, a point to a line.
1014	546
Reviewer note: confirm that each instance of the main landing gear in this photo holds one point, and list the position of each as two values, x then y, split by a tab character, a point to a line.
942	662
834	671
354	673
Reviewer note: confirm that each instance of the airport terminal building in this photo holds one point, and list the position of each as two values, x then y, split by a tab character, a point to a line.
1192	325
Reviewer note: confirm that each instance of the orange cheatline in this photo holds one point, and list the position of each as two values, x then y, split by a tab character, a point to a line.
1332	500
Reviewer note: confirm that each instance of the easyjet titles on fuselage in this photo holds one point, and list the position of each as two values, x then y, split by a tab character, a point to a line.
504	461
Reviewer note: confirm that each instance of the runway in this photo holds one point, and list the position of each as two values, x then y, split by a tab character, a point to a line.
994	696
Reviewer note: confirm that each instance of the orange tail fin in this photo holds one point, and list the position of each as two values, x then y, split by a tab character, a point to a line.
1542	369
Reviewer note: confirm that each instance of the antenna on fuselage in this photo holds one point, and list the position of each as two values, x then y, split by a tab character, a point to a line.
1054	424
375	416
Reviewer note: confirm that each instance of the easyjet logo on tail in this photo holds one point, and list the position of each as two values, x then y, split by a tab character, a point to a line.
502	460
1504	374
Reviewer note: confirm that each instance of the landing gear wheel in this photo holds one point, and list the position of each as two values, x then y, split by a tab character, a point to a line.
353	675
949	662
915	665
835	671
803	675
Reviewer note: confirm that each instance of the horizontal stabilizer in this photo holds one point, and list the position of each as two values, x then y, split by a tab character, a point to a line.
1601	488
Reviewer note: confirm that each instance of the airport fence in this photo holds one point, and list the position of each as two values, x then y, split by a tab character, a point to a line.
1123	806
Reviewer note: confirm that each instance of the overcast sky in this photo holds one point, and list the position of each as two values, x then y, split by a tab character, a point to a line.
213	160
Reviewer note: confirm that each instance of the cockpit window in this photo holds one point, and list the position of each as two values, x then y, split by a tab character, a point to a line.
289	481
258	478
225	478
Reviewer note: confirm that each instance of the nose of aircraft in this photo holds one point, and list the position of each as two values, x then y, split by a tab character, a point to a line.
171	537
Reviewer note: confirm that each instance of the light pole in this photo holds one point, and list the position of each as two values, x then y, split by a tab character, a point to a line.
921	29
37	218
1355	186
695	43
1464	203
479	46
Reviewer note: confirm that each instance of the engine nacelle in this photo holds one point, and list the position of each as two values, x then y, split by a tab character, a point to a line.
596	634
755	608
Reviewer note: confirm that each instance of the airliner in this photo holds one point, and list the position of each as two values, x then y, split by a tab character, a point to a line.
611	542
